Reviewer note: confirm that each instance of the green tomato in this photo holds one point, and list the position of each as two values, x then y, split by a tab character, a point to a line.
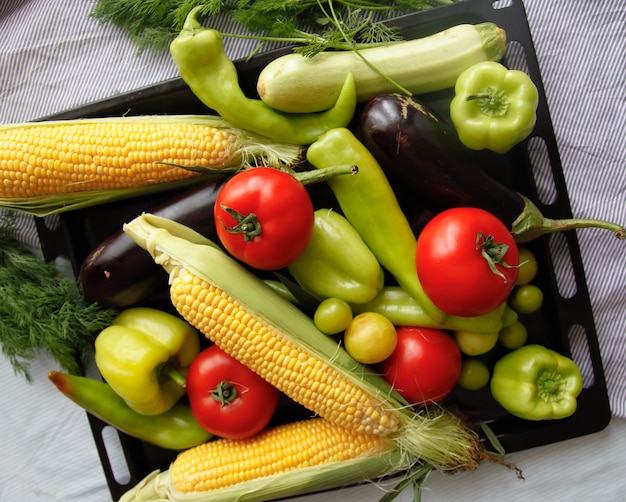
474	374
526	299
370	338
509	316
332	316
513	336
528	266
474	344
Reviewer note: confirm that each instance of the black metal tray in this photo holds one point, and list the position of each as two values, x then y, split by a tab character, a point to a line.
565	322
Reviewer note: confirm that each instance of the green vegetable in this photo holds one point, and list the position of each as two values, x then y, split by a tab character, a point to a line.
493	108
297	83
332	316
370	205
336	262
536	383
513	336
475	344
144	356
528	266
202	63
403	310
526	298
474	374
328	24
175	429
43	309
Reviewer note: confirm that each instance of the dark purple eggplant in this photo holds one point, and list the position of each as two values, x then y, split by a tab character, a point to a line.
423	151
118	273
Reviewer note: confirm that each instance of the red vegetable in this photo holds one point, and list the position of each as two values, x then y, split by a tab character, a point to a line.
264	217
227	398
425	365
467	261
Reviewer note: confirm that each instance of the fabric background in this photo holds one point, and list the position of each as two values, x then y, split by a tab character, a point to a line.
53	56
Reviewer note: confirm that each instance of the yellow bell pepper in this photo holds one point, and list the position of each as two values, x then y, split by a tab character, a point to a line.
144	356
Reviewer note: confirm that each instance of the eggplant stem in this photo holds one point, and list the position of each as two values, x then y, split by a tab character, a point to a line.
532	224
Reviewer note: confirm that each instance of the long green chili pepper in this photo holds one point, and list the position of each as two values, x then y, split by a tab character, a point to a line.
369	203
176	429
402	310
211	75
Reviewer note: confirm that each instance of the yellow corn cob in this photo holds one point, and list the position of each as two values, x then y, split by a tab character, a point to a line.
306	443
254	324
284	460
308	380
59	159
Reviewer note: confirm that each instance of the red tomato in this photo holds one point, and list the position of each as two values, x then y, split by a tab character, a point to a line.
264	217
452	269
425	365
226	397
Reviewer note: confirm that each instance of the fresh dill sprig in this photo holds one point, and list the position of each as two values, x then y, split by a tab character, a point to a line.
43	309
154	23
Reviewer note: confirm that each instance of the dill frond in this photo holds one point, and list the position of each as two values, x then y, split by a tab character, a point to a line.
42	309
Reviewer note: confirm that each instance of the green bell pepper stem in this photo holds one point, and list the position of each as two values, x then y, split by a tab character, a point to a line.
370	205
401	309
536	383
144	356
175	429
493	108
203	64
337	263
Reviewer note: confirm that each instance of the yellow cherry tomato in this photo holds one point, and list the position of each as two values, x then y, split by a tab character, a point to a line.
370	338
474	344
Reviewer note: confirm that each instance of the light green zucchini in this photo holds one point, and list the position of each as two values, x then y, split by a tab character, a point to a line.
294	83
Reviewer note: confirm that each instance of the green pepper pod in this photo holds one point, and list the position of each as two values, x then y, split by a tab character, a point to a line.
337	263
401	309
206	68
176	429
536	383
493	108
370	205
144	356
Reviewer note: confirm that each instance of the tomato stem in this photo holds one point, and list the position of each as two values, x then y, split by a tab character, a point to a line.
225	393
493	252
248	225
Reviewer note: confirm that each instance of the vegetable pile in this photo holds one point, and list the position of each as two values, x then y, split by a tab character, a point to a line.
318	316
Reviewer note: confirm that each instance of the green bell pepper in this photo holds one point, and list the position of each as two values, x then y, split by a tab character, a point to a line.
337	263
536	383
493	108
144	356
